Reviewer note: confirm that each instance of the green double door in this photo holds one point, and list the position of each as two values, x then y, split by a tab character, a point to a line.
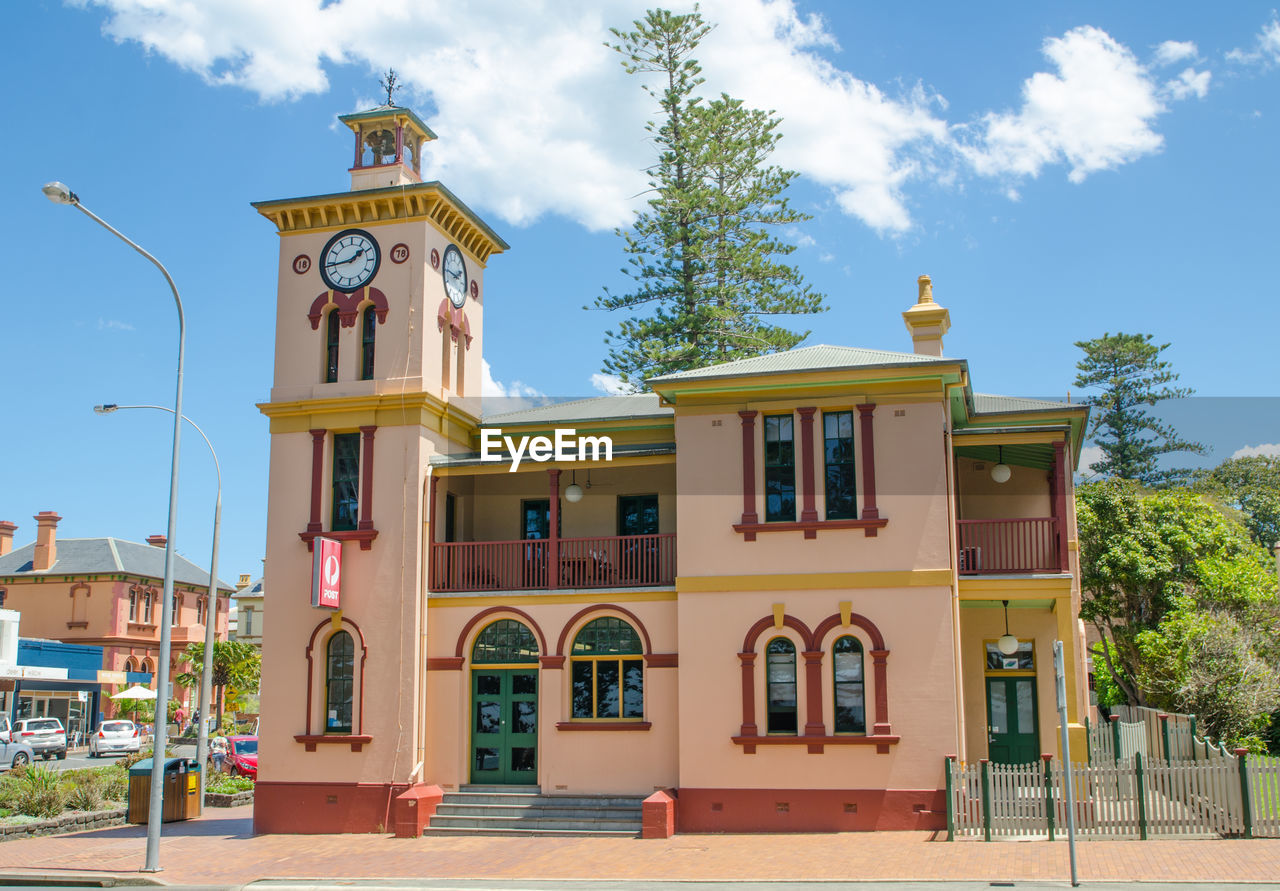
504	727
1012	734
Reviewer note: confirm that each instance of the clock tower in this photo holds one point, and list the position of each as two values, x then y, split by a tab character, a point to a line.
379	327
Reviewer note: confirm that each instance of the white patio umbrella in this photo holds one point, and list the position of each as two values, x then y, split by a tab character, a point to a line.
137	691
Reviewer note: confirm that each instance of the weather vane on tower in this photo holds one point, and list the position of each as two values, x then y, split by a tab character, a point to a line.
389	84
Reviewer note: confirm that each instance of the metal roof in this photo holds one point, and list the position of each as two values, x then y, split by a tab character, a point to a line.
599	408
383	111
103	556
990	403
820	357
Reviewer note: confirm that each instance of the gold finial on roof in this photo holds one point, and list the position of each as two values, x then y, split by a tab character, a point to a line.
926	289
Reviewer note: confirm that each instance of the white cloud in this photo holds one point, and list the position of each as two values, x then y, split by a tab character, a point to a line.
536	116
1265	450
113	325
1095	113
798	238
1172	52
1189	83
492	388
1090	454
611	384
1266	49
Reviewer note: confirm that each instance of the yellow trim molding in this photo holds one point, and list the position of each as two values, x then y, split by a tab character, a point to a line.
1028	588
812	581
511	598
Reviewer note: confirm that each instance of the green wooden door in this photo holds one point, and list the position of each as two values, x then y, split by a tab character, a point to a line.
504	728
1013	737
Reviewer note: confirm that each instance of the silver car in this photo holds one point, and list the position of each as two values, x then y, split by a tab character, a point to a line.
114	736
45	736
12	753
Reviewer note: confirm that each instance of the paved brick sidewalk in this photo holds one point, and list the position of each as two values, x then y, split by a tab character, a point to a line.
219	849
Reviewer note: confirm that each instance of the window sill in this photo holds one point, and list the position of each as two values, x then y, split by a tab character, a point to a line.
310	741
77	624
811	527
816	743
603	725
142	626
364	536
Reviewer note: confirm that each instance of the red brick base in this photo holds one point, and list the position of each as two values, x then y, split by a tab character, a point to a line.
658	815
810	810
321	808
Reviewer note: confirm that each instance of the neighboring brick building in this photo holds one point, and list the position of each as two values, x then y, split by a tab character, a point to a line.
107	592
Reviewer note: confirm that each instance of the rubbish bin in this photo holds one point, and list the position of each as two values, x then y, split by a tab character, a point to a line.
181	790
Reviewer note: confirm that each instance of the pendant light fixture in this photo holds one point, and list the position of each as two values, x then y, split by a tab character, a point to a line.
1008	644
1001	472
573	494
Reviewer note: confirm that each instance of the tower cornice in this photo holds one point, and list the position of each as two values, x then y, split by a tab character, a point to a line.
428	201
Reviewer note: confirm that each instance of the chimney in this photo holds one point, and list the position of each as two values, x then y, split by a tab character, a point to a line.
46	541
157	541
6	536
927	321
244	581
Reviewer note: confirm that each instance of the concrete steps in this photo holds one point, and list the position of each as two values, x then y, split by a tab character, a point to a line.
525	811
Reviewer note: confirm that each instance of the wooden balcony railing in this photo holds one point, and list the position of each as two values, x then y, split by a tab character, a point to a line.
1021	545
617	561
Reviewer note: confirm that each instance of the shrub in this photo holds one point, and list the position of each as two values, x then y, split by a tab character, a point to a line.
224	784
115	783
87	795
40	793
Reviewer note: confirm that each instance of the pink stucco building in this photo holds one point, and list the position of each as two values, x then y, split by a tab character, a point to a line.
777	606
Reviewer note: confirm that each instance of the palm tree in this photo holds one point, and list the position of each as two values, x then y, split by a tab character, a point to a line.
237	669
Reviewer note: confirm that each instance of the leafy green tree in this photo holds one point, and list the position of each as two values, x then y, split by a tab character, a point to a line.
1141	552
702	259
1252	487
1132	377
237	669
1213	664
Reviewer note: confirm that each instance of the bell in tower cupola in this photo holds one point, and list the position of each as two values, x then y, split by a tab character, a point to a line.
389	142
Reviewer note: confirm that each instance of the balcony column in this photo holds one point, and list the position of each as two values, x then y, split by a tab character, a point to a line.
1059	484
553	535
869	509
433	580
749	727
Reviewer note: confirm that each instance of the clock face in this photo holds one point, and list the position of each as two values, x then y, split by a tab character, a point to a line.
455	276
350	260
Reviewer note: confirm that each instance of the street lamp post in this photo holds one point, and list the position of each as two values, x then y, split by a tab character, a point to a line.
211	607
60	194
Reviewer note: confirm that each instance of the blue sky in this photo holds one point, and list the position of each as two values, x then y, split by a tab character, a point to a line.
1060	170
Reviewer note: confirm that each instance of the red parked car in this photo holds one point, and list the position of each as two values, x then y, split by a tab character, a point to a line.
242	760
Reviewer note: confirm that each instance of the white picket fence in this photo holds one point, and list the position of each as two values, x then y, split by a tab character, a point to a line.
1136	797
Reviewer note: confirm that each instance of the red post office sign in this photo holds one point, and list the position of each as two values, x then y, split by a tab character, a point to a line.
326	573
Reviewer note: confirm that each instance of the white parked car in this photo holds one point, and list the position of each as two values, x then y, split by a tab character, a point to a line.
114	736
46	736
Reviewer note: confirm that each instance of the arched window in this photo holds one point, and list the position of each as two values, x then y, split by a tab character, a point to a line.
130	664
339	683
506	641
850	697
368	322
331	348
607	671
780	684
148	666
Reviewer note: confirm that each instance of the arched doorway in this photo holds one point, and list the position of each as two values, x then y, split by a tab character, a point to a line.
504	705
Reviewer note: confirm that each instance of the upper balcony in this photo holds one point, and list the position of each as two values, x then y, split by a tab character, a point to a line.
1012	524
524	531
